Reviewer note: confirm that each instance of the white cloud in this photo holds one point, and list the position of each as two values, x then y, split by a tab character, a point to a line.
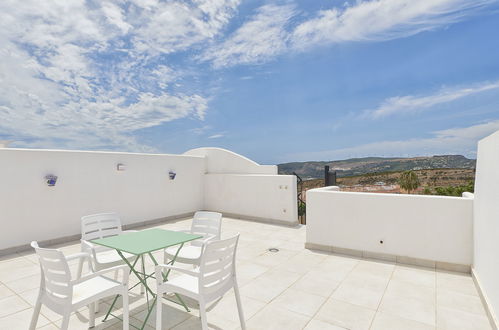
410	103
259	39
216	136
380	20
273	30
461	140
75	75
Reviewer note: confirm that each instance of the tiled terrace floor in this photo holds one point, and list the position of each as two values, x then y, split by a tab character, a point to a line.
294	288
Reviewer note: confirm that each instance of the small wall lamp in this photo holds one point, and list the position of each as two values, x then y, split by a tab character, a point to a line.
172	175
120	167
51	180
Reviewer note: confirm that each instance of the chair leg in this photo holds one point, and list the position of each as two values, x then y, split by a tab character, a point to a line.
65	321
80	268
126	320
91	315
159	311
202	315
36	313
239	306
97	307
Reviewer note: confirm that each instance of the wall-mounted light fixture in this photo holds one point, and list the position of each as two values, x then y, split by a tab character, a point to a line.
51	180
120	167
172	175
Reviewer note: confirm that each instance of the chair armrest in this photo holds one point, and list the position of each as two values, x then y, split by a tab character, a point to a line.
80	255
160	267
123	268
206	238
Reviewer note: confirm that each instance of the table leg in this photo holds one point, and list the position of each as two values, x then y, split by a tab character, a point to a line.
165	277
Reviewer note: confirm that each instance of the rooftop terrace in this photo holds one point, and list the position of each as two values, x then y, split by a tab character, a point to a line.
295	288
367	283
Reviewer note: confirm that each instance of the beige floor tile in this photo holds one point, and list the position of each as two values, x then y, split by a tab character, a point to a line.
345	315
320	325
452	319
283	276
317	282
263	289
49	326
457	282
194	323
5	292
425	294
358	295
79	321
299	301
11	305
18	269
383	321
462	302
21	320
172	315
365	280
272	259
272	318
227	307
24	284
415	275
31	295
408	308
375	268
302	262
249	270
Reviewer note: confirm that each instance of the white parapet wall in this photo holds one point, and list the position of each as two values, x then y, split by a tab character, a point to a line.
266	197
89	182
238	186
486	222
431	228
140	190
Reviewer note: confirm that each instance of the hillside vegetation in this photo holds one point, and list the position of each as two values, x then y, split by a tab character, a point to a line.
378	166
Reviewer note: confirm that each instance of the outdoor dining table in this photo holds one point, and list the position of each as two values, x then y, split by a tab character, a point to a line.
141	243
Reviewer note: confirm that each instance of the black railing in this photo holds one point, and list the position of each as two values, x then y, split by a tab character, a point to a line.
302	206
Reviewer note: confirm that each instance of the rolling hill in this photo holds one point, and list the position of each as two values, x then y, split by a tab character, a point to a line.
361	166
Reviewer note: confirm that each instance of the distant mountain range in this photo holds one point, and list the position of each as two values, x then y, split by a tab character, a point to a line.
360	166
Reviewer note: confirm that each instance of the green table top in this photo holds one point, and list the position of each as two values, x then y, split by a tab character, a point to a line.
145	241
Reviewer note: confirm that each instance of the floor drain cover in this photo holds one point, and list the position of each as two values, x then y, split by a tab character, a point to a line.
274	250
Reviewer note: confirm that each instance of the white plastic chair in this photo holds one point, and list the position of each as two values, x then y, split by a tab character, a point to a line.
99	226
63	295
207	224
215	276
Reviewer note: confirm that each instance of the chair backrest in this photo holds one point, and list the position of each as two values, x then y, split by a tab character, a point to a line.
206	223
55	275
218	266
100	225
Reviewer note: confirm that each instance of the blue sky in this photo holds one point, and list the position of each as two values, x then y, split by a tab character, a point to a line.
276	81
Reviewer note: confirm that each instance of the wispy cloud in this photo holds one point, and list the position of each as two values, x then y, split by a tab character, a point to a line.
461	140
278	29
216	136
259	39
411	103
81	75
381	20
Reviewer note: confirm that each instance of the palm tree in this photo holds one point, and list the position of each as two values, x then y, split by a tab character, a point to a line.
409	181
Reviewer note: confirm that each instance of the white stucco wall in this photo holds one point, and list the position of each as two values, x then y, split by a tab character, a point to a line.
486	220
426	227
88	182
269	197
225	161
